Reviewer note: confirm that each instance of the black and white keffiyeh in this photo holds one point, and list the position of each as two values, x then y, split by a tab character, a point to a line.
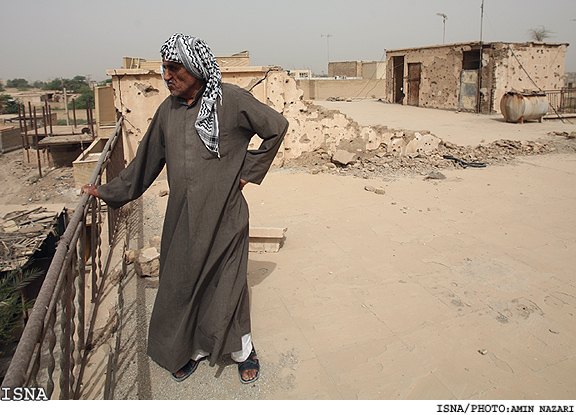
196	56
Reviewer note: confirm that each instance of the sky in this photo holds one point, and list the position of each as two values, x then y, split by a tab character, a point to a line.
43	40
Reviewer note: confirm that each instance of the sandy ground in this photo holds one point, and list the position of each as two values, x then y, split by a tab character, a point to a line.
460	288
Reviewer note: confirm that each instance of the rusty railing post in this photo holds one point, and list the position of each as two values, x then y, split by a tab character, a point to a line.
37	144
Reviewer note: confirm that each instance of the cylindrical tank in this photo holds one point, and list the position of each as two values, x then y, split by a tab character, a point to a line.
521	106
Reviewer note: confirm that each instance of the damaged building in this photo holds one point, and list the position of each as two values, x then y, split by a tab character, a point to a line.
138	89
472	76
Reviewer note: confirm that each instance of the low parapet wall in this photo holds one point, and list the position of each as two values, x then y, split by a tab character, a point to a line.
322	89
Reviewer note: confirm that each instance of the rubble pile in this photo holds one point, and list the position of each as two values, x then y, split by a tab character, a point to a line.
22	233
384	163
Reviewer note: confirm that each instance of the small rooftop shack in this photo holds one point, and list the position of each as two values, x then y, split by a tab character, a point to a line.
453	76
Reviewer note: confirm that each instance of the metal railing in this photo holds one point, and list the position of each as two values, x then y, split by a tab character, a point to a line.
59	315
562	101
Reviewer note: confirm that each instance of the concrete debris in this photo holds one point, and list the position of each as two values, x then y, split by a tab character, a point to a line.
343	157
147	263
435	175
377	190
22	233
382	162
146	260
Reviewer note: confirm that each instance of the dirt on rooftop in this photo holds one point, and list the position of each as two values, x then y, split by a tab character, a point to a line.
21	184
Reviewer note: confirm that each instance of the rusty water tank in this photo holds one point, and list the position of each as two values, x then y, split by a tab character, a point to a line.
521	106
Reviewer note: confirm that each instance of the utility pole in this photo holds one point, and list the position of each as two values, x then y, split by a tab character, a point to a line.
478	95
327	46
444	17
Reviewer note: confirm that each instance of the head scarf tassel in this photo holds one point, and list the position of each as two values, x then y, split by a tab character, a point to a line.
198	59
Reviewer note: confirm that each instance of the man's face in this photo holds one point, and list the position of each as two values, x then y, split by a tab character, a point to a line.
180	82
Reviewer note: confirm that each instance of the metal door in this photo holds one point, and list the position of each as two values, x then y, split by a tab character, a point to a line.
468	89
414	71
398	78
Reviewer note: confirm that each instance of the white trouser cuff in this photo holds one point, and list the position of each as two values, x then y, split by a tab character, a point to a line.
238	356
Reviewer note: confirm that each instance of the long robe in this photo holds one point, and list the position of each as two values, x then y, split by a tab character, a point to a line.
202	300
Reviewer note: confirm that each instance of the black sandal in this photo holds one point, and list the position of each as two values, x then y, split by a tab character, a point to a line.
250	363
188	369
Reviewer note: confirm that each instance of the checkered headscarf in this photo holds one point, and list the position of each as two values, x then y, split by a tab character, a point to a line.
198	59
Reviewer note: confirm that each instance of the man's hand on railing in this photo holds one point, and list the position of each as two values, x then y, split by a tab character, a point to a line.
90	189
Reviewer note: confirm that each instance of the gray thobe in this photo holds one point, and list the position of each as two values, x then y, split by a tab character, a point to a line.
202	300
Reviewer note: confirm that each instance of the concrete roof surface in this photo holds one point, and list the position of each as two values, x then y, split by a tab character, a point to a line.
461	288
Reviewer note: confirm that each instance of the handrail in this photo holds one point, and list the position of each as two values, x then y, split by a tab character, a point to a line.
562	100
64	285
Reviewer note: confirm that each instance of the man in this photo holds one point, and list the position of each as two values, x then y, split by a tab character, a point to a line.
201	133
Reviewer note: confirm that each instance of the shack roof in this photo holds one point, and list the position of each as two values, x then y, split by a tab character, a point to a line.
476	44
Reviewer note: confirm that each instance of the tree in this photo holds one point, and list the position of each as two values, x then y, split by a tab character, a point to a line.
13	305
86	95
73	85
8	105
19	83
540	34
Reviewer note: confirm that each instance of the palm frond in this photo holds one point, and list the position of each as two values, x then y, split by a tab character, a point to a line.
17	279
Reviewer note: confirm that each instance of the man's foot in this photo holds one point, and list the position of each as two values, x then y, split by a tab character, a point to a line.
249	369
186	370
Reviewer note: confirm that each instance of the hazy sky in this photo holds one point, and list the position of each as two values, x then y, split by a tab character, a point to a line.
42	39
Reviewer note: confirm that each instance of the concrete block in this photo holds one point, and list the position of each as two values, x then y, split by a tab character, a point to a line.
147	263
263	239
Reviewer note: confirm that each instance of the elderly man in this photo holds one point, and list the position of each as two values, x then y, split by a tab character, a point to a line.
201	133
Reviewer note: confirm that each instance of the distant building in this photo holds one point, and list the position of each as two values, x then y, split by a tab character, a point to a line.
300	73
459	76
357	69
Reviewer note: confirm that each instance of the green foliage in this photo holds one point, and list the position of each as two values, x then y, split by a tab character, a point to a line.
72	85
86	95
53	85
8	105
19	83
12	303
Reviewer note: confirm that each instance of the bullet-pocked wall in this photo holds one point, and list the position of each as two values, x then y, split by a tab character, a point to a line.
139	92
448	76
